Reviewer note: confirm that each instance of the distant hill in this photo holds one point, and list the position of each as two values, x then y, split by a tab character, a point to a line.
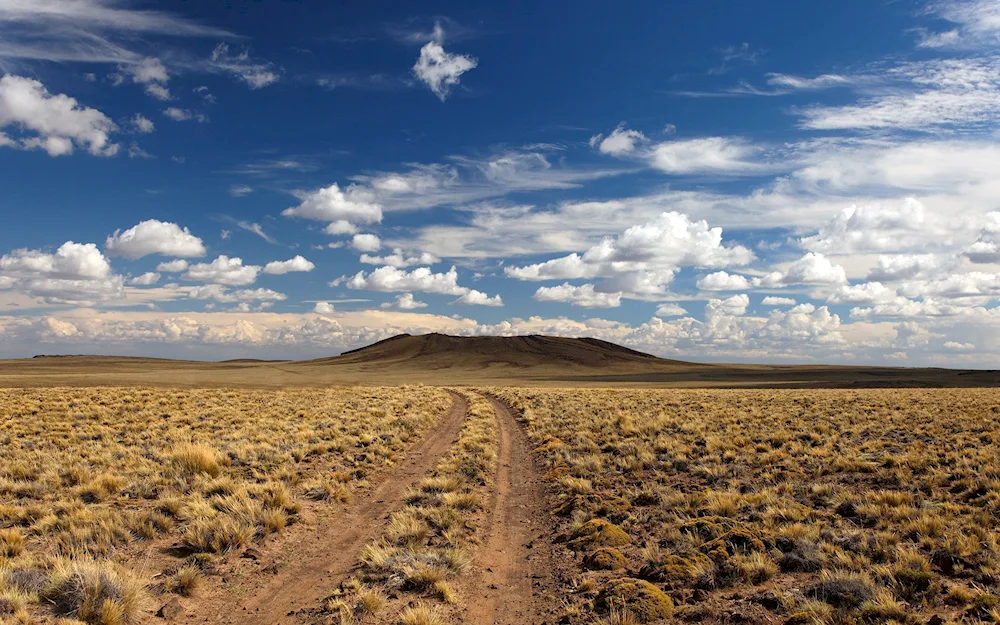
475	360
442	351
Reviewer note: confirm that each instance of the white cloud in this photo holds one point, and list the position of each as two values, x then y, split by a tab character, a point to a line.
404	301
644	258
298	263
145	279
892	268
92	31
669	309
149	72
141	124
323	308
136	151
354	205
733	306
77	273
183	115
154	237
722	155
400	260
977	24
257	74
441	70
478	298
621	141
867	293
240	190
340	227
799	83
224	270
929	96
221	294
879	227
722	281
366	243
421	279
584	296
173	266
54	123
986	248
813	268
72	261
771	300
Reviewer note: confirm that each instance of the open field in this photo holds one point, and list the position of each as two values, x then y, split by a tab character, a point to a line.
419	505
105	491
875	506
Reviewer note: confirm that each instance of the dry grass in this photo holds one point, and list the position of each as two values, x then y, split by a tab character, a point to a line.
87	475
430	543
871	507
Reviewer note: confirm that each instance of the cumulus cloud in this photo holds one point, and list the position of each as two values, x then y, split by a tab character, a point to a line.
621	141
733	306
223	270
986	248
281	267
866	293
896	267
420	279
813	268
366	243
343	208
154	237
722	281
221	294
771	300
255	73
146	279
441	70
54	123
879	227
404	301
669	309
644	258
478	298
400	260
173	266
77	273
584	296
323	308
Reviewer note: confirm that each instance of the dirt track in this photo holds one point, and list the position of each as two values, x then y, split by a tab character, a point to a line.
322	557
517	584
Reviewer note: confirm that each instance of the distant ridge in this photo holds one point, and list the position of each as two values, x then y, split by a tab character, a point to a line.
443	351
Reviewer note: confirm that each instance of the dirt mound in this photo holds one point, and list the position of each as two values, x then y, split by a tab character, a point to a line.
441	351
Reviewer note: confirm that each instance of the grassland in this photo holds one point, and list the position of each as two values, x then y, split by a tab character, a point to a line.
94	480
869	507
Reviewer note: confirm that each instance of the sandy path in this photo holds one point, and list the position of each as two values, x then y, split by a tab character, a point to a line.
517	580
321	558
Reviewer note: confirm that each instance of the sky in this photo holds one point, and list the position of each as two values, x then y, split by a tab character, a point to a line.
720	181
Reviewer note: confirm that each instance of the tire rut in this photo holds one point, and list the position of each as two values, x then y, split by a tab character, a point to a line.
323	557
517	582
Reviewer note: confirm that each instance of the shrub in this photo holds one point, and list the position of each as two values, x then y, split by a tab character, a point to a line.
640	598
96	593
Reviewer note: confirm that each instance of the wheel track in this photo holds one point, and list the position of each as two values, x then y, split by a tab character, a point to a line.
517	582
325	556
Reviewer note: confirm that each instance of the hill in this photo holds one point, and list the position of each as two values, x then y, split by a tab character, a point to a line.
442	351
440	359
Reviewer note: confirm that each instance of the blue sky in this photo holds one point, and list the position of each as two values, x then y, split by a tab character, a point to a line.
716	181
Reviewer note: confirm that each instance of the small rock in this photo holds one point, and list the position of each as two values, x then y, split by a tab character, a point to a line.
935	620
170	610
252	554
